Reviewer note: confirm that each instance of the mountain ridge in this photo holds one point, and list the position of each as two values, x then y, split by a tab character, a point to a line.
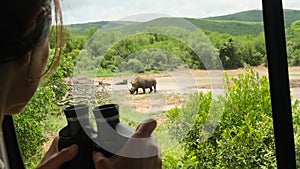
241	23
256	16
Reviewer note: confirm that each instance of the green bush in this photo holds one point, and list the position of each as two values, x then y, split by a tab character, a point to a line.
244	137
30	125
296	123
133	65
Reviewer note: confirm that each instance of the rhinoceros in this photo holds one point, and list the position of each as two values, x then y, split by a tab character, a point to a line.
144	83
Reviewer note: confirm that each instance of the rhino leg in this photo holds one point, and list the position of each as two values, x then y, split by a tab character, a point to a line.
150	89
154	86
144	90
137	91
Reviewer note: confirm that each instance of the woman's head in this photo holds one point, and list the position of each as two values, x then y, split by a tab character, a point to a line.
24	50
26	23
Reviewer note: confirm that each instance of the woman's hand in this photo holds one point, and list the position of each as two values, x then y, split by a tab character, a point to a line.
118	162
54	159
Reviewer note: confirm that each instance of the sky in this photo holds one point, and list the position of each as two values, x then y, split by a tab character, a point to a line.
83	11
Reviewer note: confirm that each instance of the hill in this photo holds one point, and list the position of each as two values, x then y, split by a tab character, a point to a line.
229	27
221	26
256	16
80	28
241	23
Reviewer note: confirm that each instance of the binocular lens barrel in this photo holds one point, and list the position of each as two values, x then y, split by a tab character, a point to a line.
76	113
76	110
108	113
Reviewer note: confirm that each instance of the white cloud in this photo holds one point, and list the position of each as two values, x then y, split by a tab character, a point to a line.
291	4
80	11
78	4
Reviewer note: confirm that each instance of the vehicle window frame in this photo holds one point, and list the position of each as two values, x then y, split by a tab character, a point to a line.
273	20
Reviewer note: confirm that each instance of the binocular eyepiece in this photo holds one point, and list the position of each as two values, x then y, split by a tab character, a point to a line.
108	138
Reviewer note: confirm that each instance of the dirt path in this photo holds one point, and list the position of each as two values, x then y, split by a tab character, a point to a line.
173	87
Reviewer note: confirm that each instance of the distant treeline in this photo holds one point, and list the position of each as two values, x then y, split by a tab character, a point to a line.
169	47
242	23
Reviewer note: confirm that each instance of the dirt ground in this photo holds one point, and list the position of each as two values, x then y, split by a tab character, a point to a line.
173	87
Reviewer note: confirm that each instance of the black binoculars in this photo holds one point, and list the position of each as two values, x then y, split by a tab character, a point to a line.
109	137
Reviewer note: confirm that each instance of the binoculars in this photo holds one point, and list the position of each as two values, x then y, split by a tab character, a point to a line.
108	138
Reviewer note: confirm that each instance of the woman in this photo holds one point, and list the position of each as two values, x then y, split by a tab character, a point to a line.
24	56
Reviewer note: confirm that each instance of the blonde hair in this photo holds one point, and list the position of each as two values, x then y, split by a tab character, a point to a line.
59	40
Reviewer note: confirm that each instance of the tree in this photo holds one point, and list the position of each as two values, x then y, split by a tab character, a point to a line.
228	55
293	43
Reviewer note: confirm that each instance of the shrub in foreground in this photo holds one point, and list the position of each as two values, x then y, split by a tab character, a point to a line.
243	137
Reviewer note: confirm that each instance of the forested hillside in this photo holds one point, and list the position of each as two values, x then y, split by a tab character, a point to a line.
256	16
228	26
241	23
130	45
79	28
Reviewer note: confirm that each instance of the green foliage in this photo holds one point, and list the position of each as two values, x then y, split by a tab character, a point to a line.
248	16
65	69
109	49
236	51
241	23
79	29
98	44
138	54
236	28
104	72
133	65
296	124
183	119
244	28
30	125
251	49
228	55
293	44
290	16
150	51
71	51
256	16
243	138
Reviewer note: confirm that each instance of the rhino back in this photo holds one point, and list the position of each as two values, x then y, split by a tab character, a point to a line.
144	82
